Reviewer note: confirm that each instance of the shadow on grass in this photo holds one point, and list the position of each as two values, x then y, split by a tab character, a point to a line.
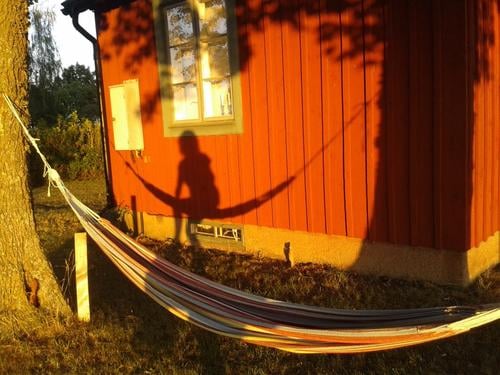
130	331
157	333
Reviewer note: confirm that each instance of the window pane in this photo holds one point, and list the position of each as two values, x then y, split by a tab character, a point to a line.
183	64
185	102
180	24
212	15
215	60
217	98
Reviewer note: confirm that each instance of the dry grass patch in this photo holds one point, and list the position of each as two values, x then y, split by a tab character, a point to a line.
131	334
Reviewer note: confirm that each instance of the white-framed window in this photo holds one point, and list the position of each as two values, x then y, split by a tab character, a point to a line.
198	66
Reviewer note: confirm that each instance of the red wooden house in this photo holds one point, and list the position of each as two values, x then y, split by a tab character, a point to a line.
360	133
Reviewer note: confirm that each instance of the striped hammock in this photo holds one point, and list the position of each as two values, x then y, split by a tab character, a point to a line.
262	321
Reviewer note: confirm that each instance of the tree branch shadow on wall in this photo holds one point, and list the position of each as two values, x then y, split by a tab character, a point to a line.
367	33
195	173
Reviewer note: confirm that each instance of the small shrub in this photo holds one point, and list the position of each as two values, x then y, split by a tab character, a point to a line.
72	146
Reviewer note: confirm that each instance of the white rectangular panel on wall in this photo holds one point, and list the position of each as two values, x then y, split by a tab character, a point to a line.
126	114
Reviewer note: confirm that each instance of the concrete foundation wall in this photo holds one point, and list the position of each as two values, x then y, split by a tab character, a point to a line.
441	266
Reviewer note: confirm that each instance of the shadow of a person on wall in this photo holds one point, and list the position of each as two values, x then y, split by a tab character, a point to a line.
195	172
202	202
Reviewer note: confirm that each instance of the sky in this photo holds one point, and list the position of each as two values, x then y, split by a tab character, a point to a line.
73	47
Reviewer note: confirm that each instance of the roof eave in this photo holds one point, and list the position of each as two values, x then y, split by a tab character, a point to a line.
74	7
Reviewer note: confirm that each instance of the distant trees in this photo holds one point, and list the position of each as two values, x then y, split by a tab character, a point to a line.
73	91
64	107
54	91
44	64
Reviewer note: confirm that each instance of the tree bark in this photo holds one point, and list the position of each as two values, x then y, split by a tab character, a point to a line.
25	274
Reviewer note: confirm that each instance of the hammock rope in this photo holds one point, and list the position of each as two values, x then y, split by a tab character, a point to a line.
258	320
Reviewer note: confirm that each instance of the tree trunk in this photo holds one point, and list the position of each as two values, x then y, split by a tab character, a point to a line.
26	278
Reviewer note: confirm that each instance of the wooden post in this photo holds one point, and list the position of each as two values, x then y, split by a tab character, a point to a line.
82	283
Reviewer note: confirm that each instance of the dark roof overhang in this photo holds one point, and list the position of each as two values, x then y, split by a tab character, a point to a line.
73	7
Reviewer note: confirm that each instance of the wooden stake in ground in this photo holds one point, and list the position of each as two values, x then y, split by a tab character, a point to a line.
82	281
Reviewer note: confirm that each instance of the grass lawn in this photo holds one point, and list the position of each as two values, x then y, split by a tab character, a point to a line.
131	334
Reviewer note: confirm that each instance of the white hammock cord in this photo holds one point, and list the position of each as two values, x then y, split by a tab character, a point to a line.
52	175
210	315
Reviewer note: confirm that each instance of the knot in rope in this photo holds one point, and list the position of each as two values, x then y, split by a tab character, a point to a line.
51	174
53	178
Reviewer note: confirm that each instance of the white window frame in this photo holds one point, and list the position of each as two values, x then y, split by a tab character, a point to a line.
199	127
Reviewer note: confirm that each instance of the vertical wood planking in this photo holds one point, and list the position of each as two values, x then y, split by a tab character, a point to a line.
276	113
333	138
496	117
234	173
397	83
477	120
354	121
221	171
293	118
160	158
451	115
127	189
312	116
199	203
105	46
469	172
492	151
259	110
437	14
388	140
421	121
375	121
245	141
160	165
485	210
488	119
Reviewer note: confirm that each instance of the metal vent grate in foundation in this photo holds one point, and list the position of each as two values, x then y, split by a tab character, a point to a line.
223	232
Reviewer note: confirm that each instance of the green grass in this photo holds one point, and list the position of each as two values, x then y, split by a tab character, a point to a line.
131	334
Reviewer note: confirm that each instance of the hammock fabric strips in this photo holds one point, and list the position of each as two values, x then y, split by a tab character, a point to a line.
262	321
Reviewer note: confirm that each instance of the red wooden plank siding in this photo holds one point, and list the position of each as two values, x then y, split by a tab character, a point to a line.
293	118
376	138
469	174
476	194
218	148
397	82
494	104
488	119
260	119
222	177
245	142
140	67
451	125
128	194
235	178
438	122
354	121
421	123
486	142
496	116
312	115
331	63
366	103
276	113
